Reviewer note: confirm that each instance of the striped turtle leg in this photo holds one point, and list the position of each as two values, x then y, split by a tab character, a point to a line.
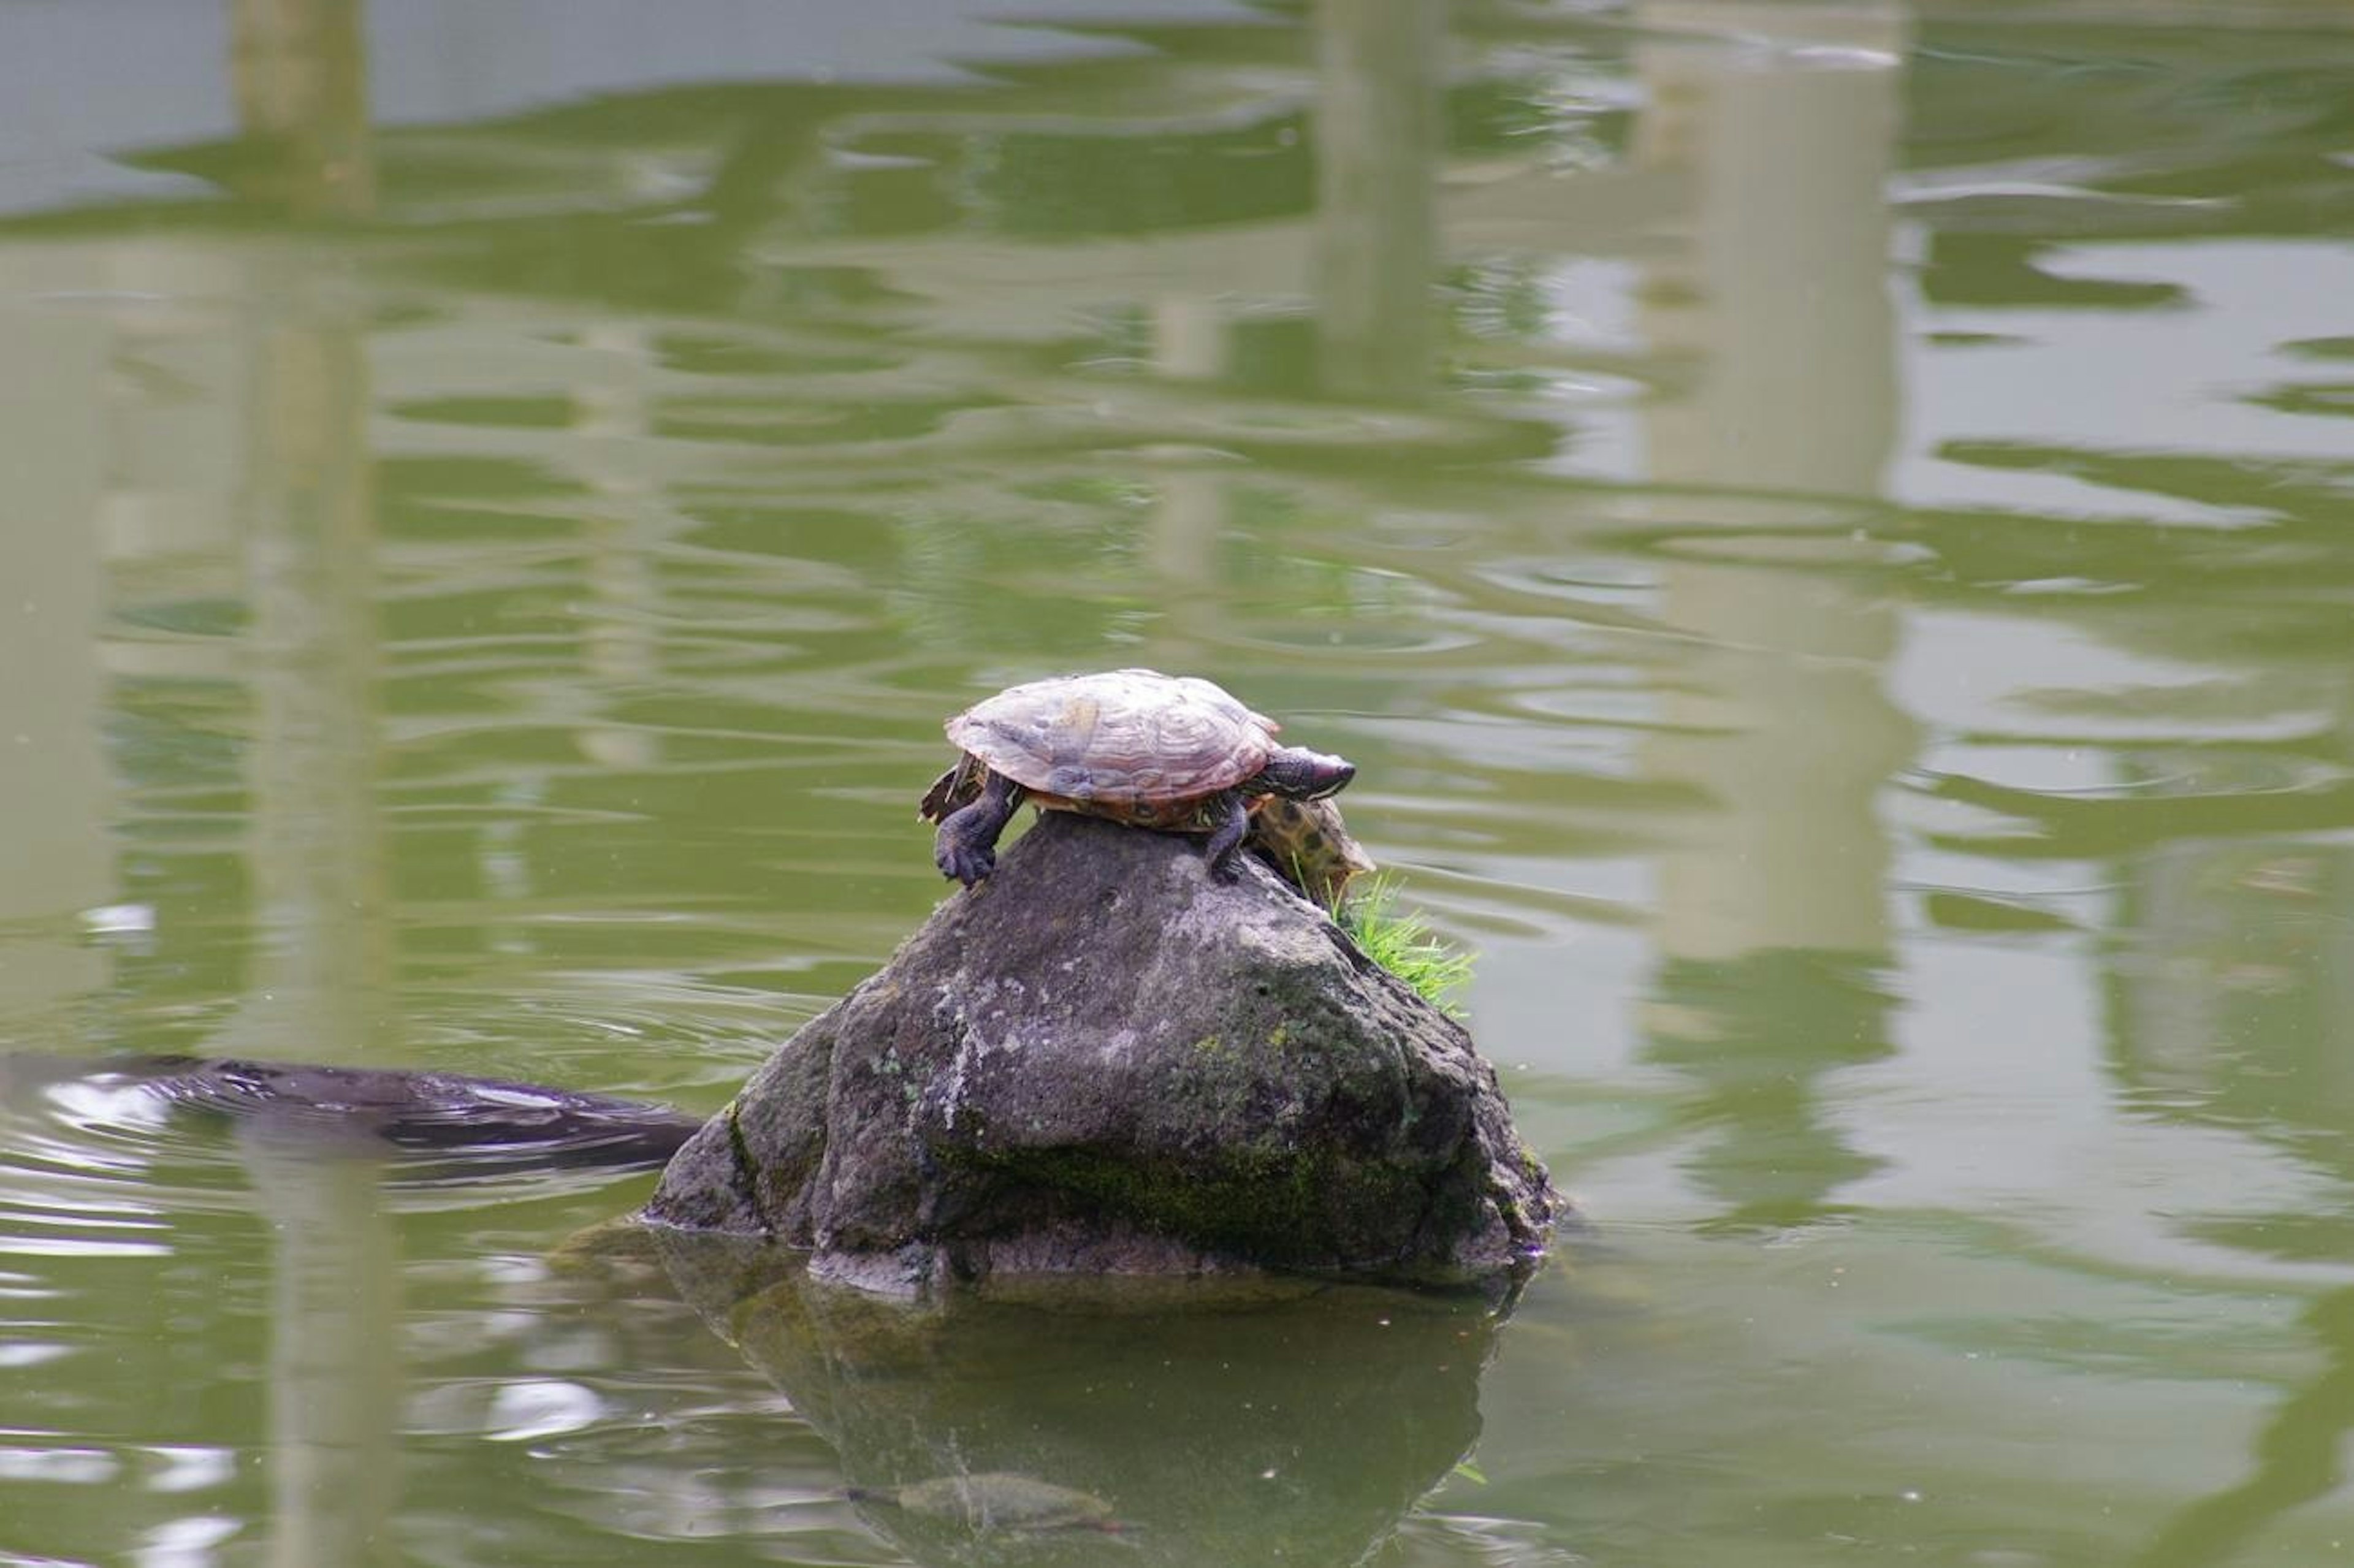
1233	822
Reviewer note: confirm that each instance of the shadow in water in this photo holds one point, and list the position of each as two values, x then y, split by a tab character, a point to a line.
1157	1421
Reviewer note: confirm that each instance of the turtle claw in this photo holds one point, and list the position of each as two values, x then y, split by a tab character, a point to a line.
966	845
966	862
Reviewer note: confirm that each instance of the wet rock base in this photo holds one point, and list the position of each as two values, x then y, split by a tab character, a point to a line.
1102	1059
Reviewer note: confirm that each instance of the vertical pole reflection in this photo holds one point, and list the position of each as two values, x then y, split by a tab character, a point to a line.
334	1361
1377	145
300	73
614	417
320	987
1779	292
316	848
1772	920
53	843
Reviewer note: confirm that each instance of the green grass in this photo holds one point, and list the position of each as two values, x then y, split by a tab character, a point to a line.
1400	941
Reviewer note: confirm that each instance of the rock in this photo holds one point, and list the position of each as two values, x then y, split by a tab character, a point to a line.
1104	1059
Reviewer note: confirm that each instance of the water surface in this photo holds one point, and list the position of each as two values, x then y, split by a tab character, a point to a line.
1824	528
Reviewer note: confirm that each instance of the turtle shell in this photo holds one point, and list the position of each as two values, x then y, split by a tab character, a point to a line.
1130	743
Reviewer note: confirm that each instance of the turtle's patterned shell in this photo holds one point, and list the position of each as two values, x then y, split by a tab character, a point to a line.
1130	743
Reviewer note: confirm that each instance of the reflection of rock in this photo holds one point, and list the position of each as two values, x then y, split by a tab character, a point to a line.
1249	1419
996	1502
1105	1058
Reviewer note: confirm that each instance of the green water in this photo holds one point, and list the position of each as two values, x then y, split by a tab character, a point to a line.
1825	528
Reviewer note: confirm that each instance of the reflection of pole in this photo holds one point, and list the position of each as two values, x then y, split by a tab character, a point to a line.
300	76
1190	514
614	419
317	848
1781	295
1191	338
1781	302
53	839
1772	917
335	1364
1377	145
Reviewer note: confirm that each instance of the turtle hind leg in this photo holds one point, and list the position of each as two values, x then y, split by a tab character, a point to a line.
966	845
1228	837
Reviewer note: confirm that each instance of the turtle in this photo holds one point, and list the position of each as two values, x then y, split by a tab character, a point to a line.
1308	845
1175	753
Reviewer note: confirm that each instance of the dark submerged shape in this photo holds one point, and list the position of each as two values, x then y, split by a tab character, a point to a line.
452	1122
1170	752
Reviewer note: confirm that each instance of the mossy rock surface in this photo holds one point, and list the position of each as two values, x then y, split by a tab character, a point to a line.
1103	1058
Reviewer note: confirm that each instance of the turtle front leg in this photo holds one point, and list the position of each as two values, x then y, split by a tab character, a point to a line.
1228	838
966	845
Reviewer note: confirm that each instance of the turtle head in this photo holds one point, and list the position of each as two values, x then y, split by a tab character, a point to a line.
1303	775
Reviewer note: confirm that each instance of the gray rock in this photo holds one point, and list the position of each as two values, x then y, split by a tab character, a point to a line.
1104	1059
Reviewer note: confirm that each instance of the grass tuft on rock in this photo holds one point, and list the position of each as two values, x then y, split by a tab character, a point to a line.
1400	940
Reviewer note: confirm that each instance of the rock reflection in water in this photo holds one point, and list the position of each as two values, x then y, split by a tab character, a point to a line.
1164	1421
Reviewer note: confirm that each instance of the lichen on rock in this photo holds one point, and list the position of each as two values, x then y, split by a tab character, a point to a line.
1105	1058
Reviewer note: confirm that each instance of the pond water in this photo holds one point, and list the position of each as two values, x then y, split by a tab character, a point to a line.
1828	530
